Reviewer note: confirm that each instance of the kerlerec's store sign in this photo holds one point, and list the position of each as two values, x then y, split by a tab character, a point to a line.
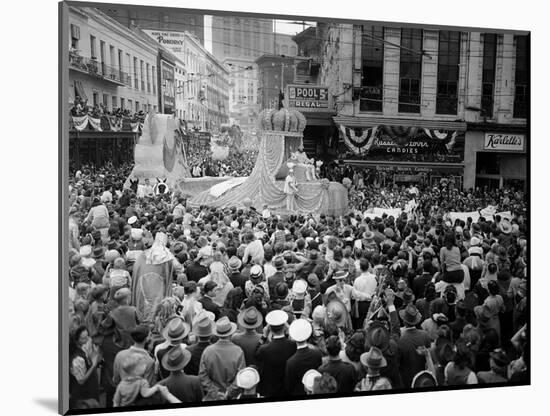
308	98
504	142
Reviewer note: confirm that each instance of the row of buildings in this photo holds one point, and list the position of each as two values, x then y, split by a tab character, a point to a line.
416	102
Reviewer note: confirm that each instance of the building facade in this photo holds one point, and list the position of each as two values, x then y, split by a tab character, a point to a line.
157	18
110	64
424	104
241	37
243	92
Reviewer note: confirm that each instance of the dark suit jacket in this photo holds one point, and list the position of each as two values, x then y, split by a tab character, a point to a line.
195	272
209	305
192	368
238	280
303	360
272	358
343	372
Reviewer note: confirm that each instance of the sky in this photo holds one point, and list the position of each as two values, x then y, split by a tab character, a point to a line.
281	26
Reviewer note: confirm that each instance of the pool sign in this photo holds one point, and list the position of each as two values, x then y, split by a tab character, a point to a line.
504	142
308	98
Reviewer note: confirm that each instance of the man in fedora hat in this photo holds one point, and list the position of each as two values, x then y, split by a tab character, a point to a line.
186	388
139	335
249	320
220	362
174	333
203	328
235	276
305	358
256	279
273	355
279	275
410	362
373	361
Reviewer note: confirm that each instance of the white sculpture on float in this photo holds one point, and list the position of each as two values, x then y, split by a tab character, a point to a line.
159	154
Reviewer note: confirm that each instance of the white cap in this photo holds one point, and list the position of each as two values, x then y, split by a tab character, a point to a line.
300	330
132	220
247	378
276	318
309	378
474	241
299	286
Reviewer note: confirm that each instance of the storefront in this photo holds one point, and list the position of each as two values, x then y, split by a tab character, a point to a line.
100	147
496	157
315	103
404	151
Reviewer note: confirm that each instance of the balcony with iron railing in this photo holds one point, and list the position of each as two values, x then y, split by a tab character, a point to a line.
97	69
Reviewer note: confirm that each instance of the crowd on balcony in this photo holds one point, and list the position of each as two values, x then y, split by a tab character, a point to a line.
81	108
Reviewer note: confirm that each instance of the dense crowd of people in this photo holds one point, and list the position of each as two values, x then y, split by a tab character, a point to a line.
173	304
237	164
81	108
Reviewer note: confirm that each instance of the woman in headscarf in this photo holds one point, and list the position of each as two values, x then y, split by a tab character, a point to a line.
152	277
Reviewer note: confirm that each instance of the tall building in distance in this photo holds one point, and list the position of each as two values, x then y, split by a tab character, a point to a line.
157	18
241	37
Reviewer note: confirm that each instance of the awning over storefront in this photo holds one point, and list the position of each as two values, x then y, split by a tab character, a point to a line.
366	122
319	118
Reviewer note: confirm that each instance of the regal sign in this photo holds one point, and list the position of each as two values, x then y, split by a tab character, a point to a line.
308	98
504	142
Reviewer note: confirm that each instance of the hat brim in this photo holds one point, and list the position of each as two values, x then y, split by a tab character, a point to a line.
243	324
226	334
181	366
416	320
174	339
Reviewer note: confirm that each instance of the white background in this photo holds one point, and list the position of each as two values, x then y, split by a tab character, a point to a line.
28	229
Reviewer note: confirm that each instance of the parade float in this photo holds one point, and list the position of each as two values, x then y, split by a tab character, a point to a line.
280	150
159	156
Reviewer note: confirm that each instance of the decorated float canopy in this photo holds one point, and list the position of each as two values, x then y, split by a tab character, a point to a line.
283	121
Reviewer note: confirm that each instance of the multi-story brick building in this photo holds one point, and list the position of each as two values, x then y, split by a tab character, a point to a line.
426	103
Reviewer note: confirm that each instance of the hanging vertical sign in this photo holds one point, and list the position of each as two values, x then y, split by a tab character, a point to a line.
168	90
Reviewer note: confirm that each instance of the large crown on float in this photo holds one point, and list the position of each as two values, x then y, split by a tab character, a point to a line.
283	121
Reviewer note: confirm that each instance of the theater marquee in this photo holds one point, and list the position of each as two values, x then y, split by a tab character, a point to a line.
504	142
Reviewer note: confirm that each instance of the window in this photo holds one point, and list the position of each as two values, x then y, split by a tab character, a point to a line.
410	71
521	76
284	49
130	104
372	79
137	106
136	81
102	56
293	51
142	75
93	50
114	102
154	78
447	72
96	98
106	101
148	72
122	103
250	92
488	74
75	36
129	60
